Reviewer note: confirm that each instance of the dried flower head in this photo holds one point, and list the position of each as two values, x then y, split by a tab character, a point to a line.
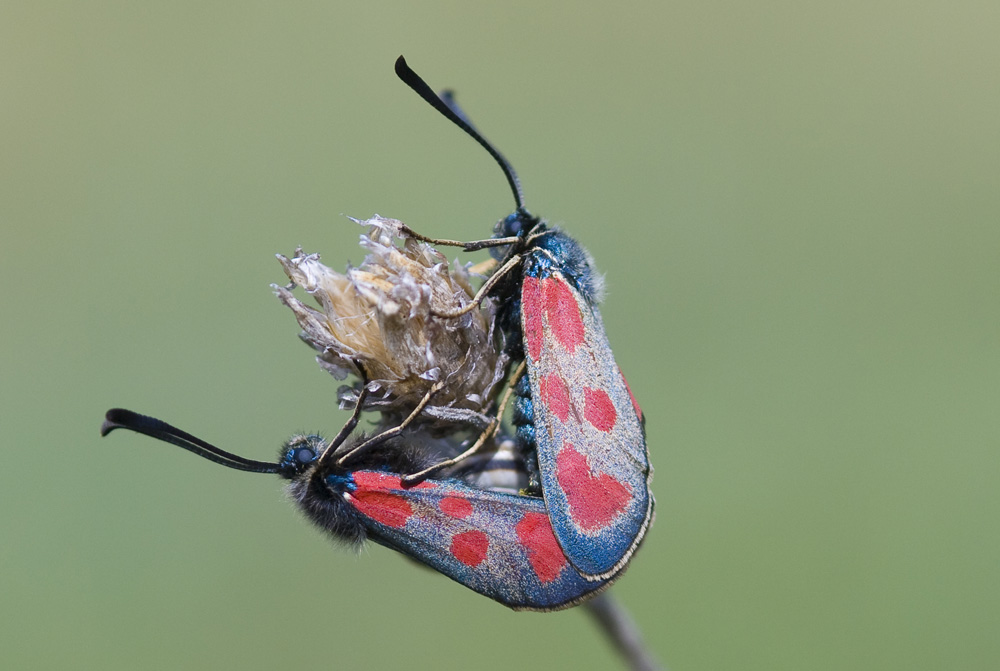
379	315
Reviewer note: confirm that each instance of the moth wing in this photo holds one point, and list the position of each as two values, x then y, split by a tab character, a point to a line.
498	544
592	452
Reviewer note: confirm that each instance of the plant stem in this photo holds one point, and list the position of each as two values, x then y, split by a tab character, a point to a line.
616	622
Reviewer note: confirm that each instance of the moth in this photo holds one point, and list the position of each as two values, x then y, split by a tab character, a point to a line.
496	543
574	408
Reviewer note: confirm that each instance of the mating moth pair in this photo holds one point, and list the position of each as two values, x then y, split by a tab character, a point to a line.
541	521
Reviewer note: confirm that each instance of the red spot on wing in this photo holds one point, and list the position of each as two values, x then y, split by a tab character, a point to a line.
380	497
598	409
563	313
531	311
377	480
456	507
546	557
593	500
391	510
635	403
555	395
469	547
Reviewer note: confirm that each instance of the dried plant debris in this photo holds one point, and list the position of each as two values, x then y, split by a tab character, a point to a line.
379	315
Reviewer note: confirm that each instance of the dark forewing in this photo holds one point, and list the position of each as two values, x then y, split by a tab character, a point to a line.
500	545
591	446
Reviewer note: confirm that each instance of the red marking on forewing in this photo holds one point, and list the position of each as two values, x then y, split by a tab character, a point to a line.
376	480
593	500
563	313
635	403
546	557
469	547
456	507
391	510
598	409
555	395
531	309
377	497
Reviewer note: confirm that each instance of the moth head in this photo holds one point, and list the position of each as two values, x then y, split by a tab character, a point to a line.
299	454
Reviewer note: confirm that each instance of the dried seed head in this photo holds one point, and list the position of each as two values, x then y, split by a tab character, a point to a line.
380	315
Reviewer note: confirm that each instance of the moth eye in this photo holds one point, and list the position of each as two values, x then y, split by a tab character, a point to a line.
304	455
509	226
298	453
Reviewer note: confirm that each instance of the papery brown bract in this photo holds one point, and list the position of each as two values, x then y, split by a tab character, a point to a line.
379	315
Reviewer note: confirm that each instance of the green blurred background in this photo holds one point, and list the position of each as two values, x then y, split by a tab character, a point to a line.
796	207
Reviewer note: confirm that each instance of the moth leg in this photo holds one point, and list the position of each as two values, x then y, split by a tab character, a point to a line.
393	432
414	478
345	431
472	246
511	263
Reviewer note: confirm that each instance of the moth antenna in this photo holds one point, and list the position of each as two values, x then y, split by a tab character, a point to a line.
446	105
119	418
448	98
